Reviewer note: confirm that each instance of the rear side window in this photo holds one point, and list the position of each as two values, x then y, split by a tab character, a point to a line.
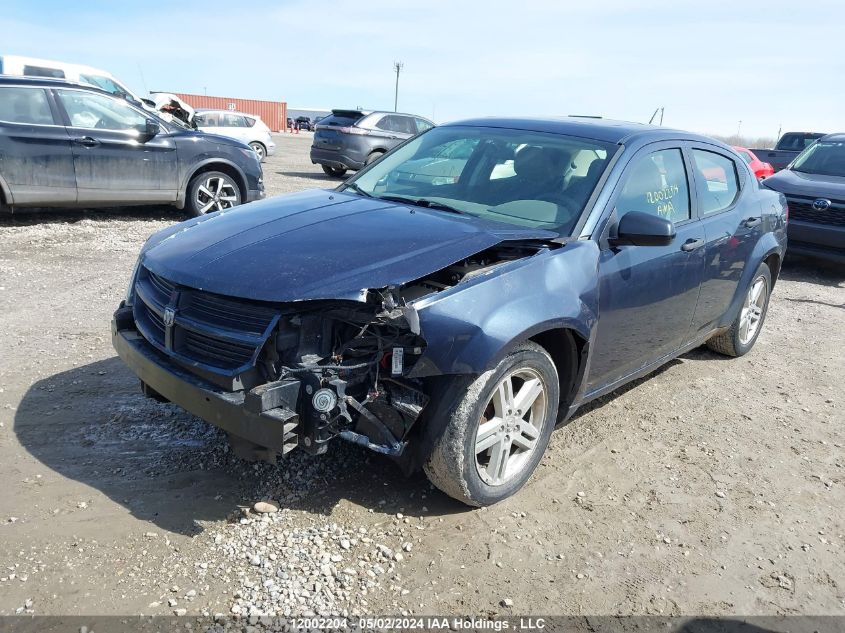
249	121
746	157
717	184
657	183
233	120
41	71
25	105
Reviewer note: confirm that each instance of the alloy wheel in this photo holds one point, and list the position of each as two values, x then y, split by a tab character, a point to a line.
510	426
259	149
217	193
752	310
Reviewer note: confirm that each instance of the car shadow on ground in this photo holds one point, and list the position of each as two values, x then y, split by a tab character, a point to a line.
63	215
312	175
92	425
812	270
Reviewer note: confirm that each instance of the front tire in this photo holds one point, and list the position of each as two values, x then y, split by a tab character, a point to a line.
497	429
743	333
211	191
335	172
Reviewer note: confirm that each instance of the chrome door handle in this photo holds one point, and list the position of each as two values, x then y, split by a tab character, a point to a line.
692	244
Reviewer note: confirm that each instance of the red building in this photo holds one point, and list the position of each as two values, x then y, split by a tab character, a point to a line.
273	113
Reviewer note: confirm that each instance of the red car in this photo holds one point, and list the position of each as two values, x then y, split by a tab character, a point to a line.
760	169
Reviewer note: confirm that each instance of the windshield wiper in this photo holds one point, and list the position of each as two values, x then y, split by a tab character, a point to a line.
422	202
356	189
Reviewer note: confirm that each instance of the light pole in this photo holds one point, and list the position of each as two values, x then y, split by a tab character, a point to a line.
739	127
397	66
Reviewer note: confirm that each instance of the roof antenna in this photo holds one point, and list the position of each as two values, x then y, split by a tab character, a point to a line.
656	110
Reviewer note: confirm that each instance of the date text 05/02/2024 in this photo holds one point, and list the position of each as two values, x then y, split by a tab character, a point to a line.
453	623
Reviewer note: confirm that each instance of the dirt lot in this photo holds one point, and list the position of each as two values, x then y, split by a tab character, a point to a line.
712	487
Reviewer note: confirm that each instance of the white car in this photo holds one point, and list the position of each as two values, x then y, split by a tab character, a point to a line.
19	66
248	128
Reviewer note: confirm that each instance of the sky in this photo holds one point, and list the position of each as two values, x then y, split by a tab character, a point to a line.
715	66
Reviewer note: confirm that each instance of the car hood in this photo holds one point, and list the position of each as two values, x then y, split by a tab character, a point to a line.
810	185
217	138
319	245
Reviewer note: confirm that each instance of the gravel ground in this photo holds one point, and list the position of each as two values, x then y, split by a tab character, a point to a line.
712	487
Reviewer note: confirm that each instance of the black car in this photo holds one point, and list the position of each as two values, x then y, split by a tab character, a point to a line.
814	186
450	322
71	145
349	139
304	123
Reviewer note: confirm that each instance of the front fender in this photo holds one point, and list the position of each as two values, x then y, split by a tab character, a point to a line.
471	326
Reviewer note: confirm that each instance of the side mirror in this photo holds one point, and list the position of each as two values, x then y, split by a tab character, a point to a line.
151	129
644	229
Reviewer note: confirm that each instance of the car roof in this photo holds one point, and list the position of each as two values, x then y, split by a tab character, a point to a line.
838	137
58	65
48	82
607	130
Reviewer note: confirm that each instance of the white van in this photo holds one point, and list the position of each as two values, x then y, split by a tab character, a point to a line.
32	67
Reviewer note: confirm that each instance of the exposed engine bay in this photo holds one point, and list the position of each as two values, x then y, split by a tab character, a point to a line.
343	366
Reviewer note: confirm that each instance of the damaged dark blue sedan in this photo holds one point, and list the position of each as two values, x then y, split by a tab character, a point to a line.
455	300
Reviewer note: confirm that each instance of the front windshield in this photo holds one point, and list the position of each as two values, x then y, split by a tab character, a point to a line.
825	158
525	178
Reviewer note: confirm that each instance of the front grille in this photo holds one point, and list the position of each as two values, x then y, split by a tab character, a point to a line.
804	211
217	333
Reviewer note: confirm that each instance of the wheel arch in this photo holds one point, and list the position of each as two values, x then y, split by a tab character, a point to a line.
767	251
213	164
6	199
568	350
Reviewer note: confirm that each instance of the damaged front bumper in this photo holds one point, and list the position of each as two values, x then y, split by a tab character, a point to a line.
260	416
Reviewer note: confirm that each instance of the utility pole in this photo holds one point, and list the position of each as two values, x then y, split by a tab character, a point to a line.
738	128
397	66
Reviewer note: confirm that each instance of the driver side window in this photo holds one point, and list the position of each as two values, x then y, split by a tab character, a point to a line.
95	111
657	183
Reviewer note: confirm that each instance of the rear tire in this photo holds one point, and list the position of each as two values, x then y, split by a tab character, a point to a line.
373	157
211	191
334	172
260	150
497	429
743	333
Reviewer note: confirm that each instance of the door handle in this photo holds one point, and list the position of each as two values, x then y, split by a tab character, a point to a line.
86	141
749	222
692	244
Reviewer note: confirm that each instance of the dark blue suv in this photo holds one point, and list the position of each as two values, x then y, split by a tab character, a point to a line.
454	301
69	145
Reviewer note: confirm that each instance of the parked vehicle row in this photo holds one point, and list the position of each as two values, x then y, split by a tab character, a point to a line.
70	145
814	186
453	301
